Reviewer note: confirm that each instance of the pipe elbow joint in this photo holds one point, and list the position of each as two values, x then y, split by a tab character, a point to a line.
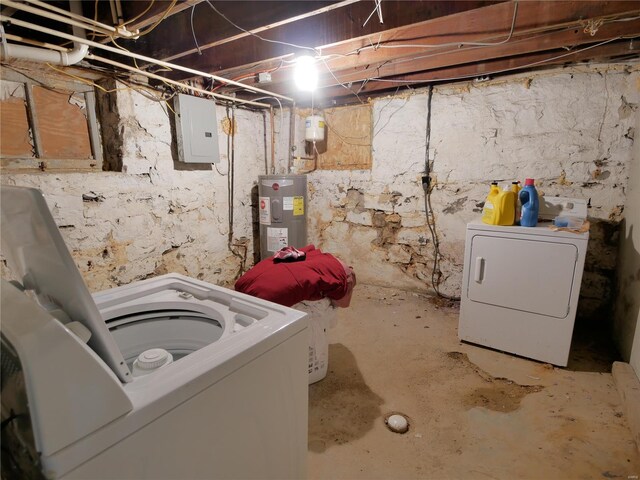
74	56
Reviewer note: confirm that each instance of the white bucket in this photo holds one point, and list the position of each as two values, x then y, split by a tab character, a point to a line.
322	315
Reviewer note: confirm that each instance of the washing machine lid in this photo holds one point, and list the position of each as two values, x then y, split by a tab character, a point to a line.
36	253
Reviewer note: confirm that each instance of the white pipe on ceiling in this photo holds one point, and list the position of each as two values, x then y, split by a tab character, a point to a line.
136	70
60	18
173	82
143	58
122	31
70	57
58	57
50	46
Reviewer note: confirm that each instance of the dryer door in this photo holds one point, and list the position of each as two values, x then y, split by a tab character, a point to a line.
528	275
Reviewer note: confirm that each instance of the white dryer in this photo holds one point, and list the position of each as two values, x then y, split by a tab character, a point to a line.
169	377
520	289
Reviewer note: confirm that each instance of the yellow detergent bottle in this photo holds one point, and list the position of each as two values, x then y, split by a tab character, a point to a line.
499	207
515	188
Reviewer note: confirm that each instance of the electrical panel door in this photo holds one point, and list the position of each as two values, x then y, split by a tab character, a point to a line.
196	130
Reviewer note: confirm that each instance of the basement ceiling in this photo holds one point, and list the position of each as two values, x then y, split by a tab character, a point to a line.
363	48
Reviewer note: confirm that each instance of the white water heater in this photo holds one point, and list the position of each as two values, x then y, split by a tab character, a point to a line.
283	212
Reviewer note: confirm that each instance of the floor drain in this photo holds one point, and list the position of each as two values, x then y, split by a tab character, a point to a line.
397	422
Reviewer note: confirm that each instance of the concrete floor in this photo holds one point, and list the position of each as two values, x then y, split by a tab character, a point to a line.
474	412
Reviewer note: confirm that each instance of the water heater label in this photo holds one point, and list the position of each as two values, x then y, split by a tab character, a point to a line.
265	210
277	238
287	203
298	205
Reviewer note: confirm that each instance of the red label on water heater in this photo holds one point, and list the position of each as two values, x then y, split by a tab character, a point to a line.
275	186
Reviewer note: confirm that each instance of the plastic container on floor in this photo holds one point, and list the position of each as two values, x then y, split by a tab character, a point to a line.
322	316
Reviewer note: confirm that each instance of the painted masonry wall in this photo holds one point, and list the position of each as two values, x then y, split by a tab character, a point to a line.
570	129
154	219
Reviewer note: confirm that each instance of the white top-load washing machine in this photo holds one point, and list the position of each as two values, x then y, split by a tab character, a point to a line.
521	285
169	377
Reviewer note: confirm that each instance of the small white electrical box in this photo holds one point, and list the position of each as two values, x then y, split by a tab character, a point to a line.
264	77
196	129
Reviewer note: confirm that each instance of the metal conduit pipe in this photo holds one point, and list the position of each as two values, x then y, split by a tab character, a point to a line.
143	58
292	136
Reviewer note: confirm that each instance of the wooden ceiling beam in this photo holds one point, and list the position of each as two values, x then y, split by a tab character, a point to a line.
307	10
534	43
483	24
157	10
489	24
619	48
329	28
447	57
174	38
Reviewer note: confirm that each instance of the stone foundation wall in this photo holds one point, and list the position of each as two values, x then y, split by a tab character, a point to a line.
155	215
570	129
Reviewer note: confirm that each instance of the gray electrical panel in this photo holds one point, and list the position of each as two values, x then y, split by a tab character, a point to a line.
196	129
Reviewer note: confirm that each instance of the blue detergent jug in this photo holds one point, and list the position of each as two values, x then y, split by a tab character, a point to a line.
530	204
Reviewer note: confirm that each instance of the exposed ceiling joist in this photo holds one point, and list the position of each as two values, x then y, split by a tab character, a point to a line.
419	41
567	25
330	27
150	13
258	30
448	57
620	48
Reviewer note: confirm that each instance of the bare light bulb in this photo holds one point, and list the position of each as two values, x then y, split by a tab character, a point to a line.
305	73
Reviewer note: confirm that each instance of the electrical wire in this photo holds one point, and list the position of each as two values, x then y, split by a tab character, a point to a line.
473	75
377	8
250	75
95	20
40	83
543	32
193	31
264	129
436	273
457	44
141	89
164	15
344	137
392	114
231	193
135	62
339	82
258	36
140	15
280	106
435	54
